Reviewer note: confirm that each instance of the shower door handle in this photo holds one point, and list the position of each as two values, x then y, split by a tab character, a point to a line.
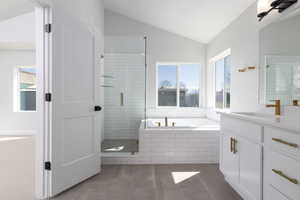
121	99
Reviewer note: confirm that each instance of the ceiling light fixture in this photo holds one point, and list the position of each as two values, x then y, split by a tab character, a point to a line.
264	7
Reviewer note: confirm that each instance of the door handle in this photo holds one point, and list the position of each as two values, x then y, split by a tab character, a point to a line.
97	108
121	99
231	144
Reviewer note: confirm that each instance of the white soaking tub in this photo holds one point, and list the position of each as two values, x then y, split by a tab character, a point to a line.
183	123
190	140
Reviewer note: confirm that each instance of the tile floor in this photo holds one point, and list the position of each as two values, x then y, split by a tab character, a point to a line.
154	182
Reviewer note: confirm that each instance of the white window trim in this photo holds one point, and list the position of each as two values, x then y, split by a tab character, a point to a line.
178	64
212	62
16	90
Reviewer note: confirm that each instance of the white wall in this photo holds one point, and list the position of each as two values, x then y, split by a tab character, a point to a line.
15	34
17	167
242	37
162	47
10	120
272	42
18	32
88	12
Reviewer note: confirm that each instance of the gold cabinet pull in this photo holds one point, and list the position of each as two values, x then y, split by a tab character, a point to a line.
234	146
280	173
231	144
284	142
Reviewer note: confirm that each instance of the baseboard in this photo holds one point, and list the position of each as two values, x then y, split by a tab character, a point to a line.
239	190
17	132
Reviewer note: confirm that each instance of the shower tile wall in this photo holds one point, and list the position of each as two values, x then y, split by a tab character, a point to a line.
128	72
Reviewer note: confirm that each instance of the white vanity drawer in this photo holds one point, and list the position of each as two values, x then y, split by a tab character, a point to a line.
283	141
283	174
246	129
273	194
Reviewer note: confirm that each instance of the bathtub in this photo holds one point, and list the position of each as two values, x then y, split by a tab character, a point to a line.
190	140
183	123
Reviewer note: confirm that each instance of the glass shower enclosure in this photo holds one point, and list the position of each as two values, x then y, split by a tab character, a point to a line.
124	83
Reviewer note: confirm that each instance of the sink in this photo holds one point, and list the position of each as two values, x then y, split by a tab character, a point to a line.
256	115
285	122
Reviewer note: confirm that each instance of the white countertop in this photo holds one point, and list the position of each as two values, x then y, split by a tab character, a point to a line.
268	120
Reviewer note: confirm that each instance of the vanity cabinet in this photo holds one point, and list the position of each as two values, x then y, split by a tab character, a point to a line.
229	165
273	194
260	159
241	156
282	163
250	168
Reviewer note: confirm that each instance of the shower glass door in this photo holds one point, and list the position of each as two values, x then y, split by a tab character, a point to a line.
124	93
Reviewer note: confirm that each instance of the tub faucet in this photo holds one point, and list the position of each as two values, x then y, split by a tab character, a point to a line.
166	121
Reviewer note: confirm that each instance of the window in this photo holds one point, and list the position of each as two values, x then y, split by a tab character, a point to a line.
167	88
25	89
222	83
178	85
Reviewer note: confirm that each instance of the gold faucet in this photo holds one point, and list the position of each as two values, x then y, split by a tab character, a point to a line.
276	106
158	124
295	103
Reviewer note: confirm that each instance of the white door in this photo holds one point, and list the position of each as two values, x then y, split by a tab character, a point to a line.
76	126
230	159
250	155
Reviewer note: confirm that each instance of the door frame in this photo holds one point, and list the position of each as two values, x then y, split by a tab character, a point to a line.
43	16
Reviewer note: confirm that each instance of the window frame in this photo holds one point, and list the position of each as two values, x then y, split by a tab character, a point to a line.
178	64
17	90
214	60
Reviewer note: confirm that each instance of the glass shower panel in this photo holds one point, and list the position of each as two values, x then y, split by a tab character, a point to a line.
124	96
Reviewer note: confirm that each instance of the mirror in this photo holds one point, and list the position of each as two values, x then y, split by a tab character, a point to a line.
280	61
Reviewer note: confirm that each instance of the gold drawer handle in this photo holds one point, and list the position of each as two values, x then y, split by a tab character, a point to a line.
284	142
280	173
233	143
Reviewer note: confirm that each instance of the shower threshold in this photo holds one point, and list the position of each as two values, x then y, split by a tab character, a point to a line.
120	146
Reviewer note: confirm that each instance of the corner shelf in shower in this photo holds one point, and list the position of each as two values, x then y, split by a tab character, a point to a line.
107	77
107	86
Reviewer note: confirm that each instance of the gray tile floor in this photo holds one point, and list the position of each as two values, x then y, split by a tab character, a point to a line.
154	182
119	146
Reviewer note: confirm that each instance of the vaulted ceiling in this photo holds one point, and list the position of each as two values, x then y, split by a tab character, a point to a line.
200	20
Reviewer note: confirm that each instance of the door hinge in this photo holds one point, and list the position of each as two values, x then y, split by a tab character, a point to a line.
48	97
47	166
48	28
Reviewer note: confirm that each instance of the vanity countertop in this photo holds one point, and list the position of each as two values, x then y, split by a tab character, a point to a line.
281	122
